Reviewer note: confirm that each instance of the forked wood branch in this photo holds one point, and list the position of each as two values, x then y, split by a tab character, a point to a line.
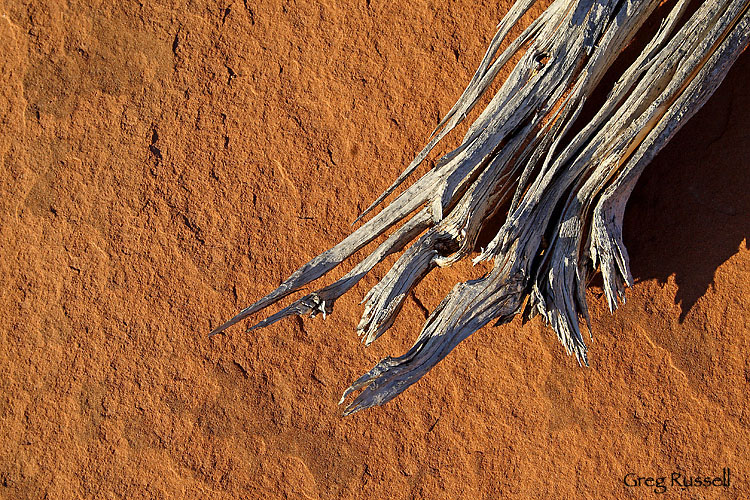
566	188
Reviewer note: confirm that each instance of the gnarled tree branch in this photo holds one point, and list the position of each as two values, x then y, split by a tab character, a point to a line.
566	188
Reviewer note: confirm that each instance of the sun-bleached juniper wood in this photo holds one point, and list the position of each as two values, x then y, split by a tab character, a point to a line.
564	189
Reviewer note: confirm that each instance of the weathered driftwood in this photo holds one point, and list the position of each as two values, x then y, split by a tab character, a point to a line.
566	188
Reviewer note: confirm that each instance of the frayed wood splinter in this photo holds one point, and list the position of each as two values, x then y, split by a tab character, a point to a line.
566	188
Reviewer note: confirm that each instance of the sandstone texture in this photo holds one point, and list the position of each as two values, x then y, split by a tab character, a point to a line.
164	164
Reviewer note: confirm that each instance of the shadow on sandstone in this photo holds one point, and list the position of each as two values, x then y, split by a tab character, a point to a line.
690	211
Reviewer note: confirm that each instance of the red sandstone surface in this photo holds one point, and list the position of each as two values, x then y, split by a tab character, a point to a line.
165	164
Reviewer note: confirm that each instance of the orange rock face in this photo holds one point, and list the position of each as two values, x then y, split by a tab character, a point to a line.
164	165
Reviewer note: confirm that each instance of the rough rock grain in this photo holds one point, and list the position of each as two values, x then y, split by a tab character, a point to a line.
164	164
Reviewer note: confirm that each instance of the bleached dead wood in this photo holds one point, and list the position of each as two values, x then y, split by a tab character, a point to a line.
566	188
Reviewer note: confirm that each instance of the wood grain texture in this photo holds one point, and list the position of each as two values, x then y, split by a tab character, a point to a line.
564	184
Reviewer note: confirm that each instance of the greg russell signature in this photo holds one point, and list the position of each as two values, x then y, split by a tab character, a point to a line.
677	480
